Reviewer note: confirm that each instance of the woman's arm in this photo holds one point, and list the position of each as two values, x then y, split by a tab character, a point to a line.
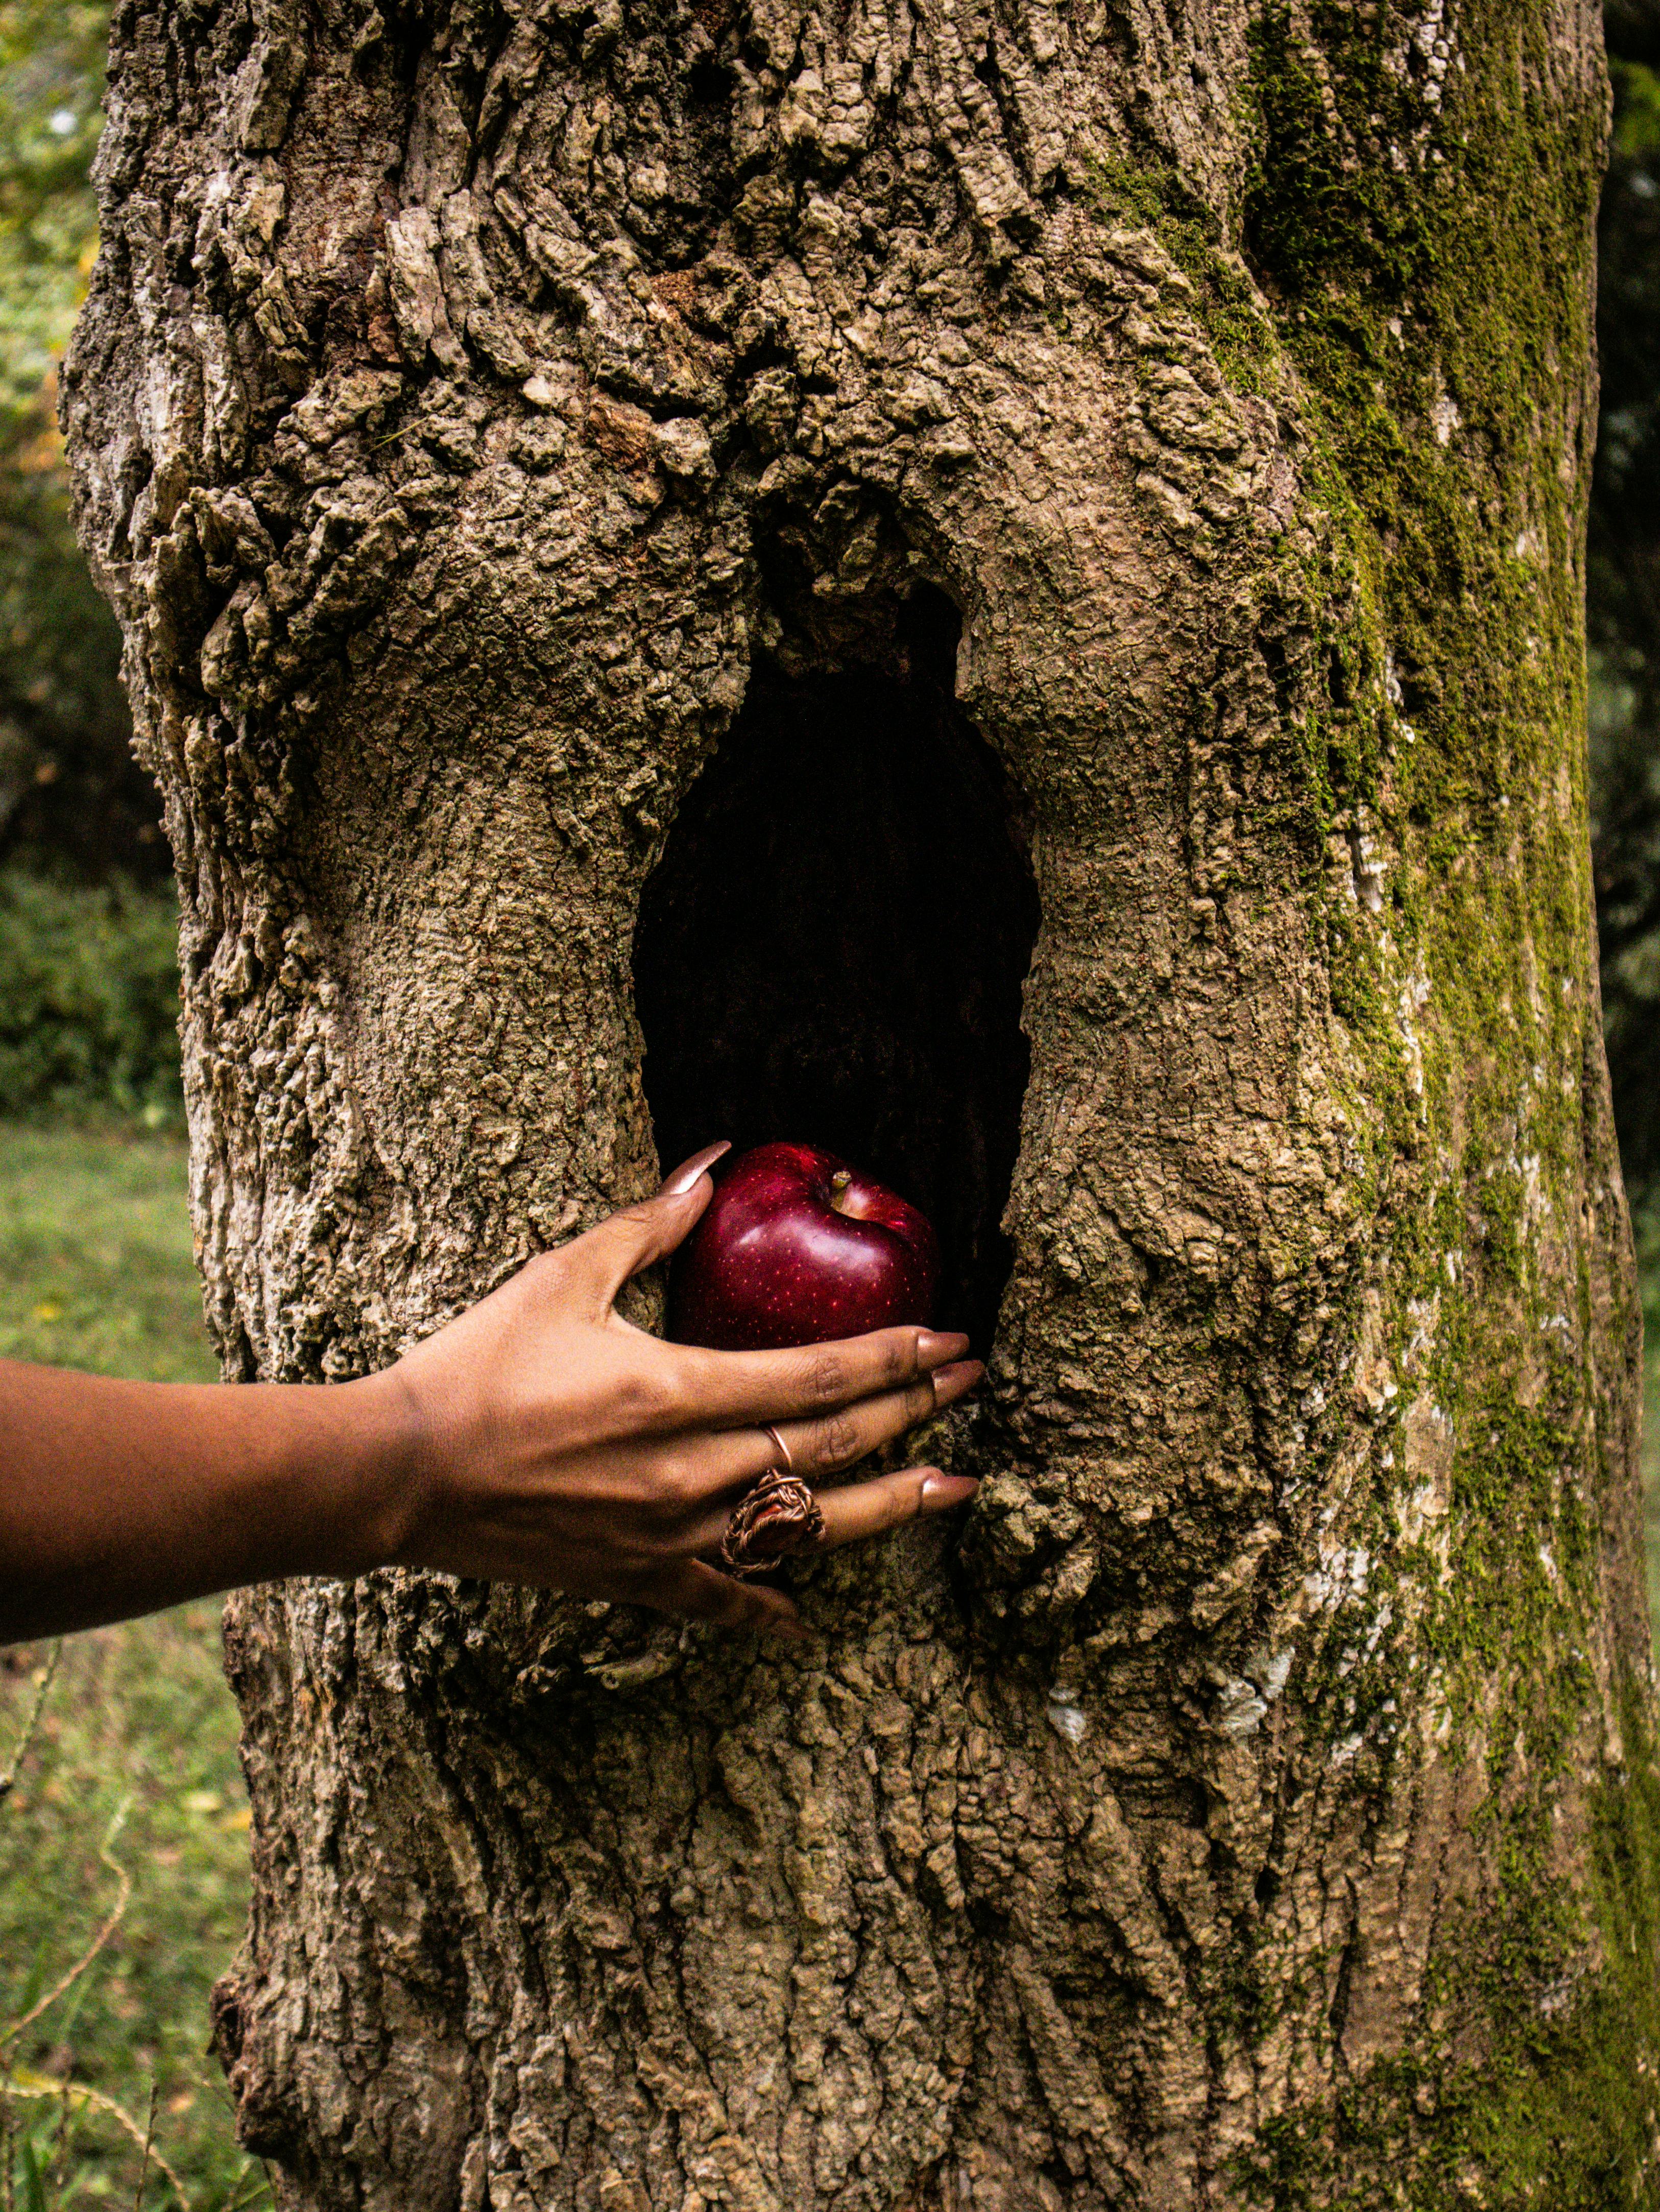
539	1438
118	1497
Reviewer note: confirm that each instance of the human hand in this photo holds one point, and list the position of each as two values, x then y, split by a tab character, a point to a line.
552	1441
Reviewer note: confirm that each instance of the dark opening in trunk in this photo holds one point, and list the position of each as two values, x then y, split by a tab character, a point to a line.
832	945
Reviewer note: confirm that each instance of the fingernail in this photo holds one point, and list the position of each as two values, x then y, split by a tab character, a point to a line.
689	1171
939	1492
956	1378
935	1346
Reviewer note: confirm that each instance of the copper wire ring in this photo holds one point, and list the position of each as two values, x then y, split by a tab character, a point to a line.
779	1517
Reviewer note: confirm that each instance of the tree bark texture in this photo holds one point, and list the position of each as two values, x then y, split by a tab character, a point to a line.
844	489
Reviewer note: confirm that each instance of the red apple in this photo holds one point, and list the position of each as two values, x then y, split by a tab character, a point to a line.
796	1247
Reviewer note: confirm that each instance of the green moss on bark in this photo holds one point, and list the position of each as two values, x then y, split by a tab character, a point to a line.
1426	266
1562	2109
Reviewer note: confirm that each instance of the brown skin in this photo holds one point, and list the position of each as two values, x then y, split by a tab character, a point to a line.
540	1438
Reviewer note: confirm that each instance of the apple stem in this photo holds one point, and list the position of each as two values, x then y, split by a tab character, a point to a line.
838	1183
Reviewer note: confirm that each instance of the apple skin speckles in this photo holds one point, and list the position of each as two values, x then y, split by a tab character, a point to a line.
796	1247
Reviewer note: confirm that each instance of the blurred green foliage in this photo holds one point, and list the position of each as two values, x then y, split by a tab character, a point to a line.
52	75
88	996
1624	609
89	975
68	786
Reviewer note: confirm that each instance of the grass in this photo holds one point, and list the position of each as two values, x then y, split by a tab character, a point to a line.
95	1265
131	1775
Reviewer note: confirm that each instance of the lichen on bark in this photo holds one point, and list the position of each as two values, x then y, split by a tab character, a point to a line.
475	406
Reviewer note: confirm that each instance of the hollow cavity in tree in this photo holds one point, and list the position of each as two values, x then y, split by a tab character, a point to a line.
832	945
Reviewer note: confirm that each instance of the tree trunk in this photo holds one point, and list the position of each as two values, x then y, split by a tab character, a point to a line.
1002	587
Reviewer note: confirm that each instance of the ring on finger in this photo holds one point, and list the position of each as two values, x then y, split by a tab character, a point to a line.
777	1518
771	1522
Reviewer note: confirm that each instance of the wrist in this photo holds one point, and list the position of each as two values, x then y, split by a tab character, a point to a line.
382	1462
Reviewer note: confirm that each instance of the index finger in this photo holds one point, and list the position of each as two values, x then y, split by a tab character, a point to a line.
734	1388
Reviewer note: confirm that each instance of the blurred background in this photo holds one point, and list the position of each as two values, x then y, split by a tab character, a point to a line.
121	1812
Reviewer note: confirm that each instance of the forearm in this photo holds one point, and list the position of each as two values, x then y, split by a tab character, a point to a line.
120	1498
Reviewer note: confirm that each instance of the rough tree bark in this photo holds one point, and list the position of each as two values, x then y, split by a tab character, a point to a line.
1103	468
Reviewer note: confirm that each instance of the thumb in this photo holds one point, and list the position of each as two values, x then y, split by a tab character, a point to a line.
618	1247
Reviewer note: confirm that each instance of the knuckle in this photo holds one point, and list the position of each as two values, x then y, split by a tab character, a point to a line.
835	1441
683	1488
900	1357
664	1503
672	1395
554	1274
894	1506
698	1380
648	1399
826	1378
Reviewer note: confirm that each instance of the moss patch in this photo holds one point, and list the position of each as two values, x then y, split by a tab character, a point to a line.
1418	220
1562	2109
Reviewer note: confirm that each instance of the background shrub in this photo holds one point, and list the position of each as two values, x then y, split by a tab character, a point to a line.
88	996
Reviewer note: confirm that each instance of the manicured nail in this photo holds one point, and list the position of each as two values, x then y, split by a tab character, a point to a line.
955	1379
936	1346
689	1171
939	1492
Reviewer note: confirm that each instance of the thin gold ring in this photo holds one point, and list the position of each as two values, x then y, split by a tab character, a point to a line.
779	1446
